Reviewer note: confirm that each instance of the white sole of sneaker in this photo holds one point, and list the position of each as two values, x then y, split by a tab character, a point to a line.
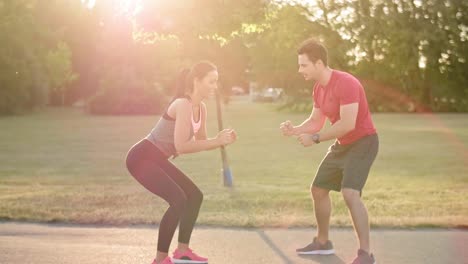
318	252
185	261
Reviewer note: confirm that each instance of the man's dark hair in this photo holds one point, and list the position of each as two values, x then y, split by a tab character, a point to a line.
314	50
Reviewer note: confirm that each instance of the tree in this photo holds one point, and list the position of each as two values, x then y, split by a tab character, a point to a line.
415	48
60	73
23	80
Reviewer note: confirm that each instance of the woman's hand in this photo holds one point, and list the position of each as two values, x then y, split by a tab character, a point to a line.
226	137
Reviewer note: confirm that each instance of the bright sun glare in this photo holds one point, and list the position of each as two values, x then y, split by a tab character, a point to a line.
128	7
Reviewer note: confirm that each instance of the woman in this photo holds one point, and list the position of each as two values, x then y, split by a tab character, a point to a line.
181	130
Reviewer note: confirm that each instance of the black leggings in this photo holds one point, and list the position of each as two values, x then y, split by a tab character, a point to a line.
149	166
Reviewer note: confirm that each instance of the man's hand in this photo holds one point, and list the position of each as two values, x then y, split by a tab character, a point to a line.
287	128
306	140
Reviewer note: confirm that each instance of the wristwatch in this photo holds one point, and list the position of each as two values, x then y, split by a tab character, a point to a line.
316	138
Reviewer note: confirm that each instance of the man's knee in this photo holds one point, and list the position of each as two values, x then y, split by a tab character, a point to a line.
318	193
350	196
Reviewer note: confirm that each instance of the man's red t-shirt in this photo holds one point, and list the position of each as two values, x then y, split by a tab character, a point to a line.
343	89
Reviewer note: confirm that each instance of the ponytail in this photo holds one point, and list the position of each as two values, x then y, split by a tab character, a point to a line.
184	81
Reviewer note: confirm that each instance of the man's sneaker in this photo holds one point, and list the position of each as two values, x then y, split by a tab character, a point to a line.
188	257
165	261
316	248
364	258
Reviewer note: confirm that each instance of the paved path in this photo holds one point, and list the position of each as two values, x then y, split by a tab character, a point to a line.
70	244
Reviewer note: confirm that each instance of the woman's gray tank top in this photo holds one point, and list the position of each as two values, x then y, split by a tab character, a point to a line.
162	135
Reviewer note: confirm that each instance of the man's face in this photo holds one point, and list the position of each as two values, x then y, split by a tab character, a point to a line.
308	69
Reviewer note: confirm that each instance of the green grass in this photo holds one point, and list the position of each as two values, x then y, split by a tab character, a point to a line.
64	165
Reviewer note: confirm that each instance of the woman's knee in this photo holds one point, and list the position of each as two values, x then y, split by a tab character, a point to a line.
196	196
179	203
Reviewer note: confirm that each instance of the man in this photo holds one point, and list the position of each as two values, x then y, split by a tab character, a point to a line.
340	97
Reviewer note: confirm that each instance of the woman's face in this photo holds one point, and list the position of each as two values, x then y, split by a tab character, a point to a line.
207	86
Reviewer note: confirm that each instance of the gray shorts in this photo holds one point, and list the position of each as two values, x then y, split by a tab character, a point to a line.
347	166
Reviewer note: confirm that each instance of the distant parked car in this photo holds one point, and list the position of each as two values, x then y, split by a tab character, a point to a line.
237	90
268	95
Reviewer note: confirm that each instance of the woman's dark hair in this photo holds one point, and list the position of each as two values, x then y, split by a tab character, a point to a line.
314	50
184	82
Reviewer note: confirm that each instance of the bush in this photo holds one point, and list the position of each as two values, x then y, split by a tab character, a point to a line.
120	93
386	98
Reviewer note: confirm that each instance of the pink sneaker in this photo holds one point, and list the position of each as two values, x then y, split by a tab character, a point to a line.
165	261
188	257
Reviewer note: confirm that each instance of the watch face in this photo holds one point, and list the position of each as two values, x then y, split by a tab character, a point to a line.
315	137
